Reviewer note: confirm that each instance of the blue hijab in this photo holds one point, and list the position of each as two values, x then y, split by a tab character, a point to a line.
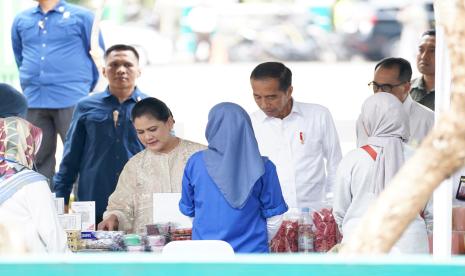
12	103
232	159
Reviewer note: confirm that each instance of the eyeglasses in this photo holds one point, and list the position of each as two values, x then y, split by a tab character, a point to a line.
385	87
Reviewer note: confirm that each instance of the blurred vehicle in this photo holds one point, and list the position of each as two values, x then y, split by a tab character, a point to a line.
279	43
152	47
373	30
285	42
287	36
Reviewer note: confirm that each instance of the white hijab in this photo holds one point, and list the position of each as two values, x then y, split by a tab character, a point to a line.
387	127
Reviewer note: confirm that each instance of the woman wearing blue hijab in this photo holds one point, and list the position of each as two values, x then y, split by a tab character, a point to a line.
229	189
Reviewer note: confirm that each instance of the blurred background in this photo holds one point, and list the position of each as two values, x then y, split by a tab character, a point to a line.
198	53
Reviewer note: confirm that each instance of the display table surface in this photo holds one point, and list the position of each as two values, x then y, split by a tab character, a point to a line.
273	264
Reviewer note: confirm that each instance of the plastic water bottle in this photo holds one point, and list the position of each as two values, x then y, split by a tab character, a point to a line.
306	234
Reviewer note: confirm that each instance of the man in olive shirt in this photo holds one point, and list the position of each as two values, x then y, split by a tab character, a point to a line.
422	90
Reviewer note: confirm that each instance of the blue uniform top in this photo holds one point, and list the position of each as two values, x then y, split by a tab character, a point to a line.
52	54
214	219
96	149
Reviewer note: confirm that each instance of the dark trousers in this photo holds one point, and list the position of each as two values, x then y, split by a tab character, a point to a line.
52	122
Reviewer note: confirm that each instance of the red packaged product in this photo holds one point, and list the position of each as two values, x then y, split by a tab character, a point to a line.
287	237
327	233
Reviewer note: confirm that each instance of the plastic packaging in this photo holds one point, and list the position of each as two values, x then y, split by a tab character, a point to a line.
74	239
156	249
458	218
181	234
158	240
132	240
135	248
286	239
103	240
326	230
164	229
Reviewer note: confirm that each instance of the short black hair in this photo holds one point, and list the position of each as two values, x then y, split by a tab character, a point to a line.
405	69
431	32
152	107
273	70
121	47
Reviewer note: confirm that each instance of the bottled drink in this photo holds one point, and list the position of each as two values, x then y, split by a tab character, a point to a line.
306	234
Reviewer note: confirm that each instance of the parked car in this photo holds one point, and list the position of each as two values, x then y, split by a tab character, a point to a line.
374	29
290	37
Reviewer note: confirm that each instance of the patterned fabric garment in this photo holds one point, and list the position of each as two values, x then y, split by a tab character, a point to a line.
145	174
19	142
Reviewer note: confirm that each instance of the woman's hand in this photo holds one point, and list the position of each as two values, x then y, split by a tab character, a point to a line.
109	224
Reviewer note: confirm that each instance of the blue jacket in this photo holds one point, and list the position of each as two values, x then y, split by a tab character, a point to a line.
97	149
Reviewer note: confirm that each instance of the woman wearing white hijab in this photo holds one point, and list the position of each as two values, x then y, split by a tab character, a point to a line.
364	172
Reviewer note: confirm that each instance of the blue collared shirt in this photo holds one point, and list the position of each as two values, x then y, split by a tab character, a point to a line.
97	148
52	54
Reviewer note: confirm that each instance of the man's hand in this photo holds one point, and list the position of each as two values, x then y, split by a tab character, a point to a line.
109	224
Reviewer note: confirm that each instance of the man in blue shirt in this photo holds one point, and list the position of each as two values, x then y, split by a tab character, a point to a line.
51	44
101	138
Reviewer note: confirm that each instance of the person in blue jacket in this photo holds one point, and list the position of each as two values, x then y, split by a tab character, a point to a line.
102	138
230	190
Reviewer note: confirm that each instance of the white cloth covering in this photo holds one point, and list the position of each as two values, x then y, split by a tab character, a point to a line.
305	148
33	208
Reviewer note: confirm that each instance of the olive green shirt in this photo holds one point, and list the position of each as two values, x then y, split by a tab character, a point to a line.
420	95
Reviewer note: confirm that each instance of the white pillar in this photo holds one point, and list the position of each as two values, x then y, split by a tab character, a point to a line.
442	198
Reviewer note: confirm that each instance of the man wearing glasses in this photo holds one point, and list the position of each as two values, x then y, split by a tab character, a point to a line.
393	75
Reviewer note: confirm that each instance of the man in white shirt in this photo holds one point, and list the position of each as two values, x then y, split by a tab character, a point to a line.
393	75
300	138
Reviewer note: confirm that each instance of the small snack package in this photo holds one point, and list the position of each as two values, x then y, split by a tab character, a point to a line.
163	229
74	239
181	234
103	240
156	243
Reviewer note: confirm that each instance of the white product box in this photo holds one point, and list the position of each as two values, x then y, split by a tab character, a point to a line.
60	205
70	221
87	211
166	209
